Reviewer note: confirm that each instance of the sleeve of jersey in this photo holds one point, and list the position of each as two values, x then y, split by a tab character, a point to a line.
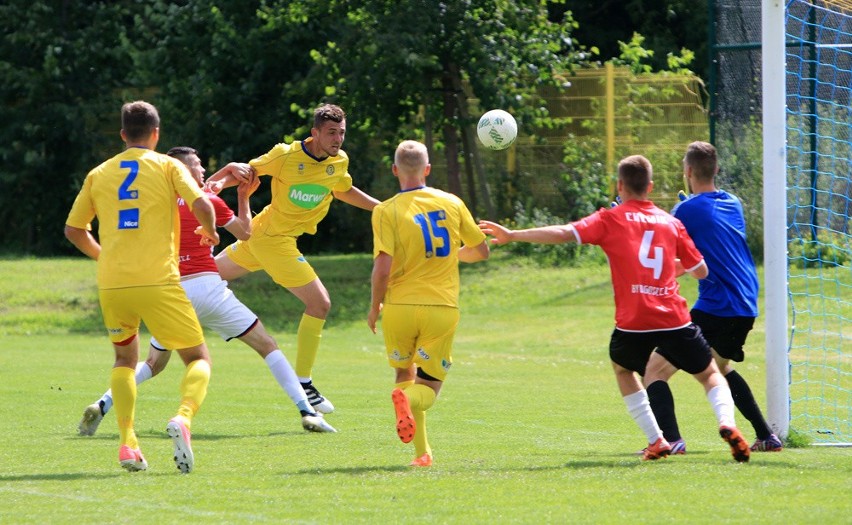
382	232
344	184
83	210
184	184
590	229
224	214
469	231
688	254
271	163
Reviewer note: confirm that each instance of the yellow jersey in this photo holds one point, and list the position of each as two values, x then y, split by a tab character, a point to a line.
423	229
134	197
301	188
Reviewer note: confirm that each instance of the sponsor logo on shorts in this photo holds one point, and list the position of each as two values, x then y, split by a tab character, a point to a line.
114	331
446	365
307	196
301	258
396	356
422	353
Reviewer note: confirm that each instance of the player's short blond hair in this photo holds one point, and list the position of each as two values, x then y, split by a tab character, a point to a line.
411	156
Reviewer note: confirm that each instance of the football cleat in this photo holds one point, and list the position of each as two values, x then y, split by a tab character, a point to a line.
656	450
181	437
739	446
131	459
316	399
405	427
770	444
92	417
423	461
678	447
316	423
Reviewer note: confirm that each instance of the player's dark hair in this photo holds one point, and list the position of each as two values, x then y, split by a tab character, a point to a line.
636	172
328	112
181	153
701	157
138	120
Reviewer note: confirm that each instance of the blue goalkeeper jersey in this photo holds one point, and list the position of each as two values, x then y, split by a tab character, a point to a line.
716	223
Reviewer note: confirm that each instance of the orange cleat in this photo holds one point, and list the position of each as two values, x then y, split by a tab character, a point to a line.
656	450
405	427
739	446
423	461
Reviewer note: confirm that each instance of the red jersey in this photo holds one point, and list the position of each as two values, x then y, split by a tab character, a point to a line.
194	257
642	242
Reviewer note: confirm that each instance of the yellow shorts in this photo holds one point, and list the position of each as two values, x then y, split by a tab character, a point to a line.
276	255
420	334
166	311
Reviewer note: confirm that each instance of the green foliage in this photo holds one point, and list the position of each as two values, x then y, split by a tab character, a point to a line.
796	439
827	250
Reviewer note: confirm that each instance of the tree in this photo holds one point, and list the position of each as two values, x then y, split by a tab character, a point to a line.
411	68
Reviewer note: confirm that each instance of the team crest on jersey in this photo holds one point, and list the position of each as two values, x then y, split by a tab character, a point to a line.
329	170
301	167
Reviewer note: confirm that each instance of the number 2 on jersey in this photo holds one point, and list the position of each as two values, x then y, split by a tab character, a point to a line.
128	219
430	219
656	262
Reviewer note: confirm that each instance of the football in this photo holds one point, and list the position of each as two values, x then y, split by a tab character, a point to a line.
497	129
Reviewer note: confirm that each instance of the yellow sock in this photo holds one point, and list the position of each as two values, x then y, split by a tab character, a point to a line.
122	381
421	397
193	389
421	444
308	341
404	384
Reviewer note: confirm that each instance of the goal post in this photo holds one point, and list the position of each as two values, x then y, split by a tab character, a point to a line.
775	215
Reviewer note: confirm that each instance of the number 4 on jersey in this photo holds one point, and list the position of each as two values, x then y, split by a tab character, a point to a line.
654	263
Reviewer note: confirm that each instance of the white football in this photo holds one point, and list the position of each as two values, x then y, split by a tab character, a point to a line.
497	129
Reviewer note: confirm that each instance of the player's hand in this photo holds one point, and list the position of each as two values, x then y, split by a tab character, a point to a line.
616	202
501	234
240	171
207	239
246	189
373	317
214	186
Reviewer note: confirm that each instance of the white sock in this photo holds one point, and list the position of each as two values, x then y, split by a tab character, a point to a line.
143	373
723	404
640	410
286	377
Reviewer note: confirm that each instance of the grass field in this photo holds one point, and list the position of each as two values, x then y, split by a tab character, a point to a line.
529	428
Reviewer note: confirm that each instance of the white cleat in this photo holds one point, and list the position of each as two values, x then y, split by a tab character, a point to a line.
316	423
320	403
184	459
92	417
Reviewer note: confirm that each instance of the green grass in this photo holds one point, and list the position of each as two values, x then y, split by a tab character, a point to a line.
529	427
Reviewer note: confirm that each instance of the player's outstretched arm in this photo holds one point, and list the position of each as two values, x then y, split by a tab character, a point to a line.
556	234
357	198
240	227
232	174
